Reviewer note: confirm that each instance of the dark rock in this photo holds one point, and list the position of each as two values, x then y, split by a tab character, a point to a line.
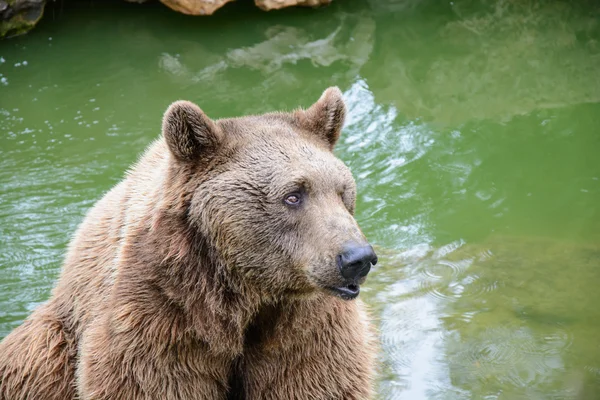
19	16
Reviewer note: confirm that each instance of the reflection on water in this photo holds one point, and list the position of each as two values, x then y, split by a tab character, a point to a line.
489	59
472	133
496	319
287	45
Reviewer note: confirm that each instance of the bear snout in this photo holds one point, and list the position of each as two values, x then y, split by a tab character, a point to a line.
355	261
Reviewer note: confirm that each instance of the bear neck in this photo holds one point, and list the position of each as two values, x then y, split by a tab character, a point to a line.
213	303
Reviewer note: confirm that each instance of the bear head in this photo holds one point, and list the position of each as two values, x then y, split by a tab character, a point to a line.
270	197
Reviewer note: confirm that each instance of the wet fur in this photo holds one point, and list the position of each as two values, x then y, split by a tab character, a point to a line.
162	297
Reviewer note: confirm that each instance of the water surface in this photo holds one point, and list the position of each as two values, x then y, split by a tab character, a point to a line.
473	133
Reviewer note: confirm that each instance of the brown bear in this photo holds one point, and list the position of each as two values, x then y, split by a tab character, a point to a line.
224	266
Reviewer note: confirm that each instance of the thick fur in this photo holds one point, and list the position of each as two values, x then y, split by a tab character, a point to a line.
193	279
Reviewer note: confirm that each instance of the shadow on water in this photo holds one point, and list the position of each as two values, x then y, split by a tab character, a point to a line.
472	133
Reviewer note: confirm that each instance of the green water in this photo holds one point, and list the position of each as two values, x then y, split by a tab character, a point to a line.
473	133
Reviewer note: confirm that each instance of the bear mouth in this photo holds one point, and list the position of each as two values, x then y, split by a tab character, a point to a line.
347	292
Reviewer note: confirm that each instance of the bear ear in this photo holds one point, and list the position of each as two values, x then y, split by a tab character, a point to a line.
326	117
188	131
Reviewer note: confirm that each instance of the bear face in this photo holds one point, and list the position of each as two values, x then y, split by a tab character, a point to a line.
274	202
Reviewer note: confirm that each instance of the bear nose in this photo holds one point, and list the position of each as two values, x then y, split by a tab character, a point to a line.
356	260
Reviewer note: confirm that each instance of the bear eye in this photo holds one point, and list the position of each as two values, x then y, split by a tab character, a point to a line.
292	199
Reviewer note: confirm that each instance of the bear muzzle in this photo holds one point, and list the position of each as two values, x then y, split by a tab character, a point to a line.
354	263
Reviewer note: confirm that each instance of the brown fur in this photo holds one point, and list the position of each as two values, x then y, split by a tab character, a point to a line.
192	279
